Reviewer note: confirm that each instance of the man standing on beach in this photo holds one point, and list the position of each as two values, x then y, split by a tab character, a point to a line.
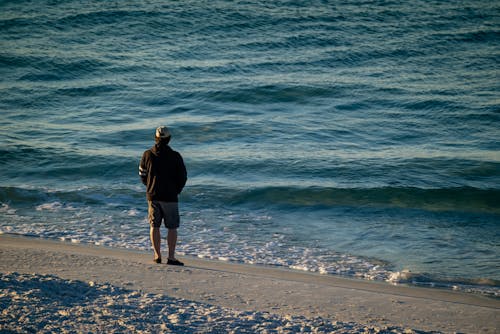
163	172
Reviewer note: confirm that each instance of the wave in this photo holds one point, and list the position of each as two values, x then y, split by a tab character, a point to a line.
42	68
485	286
462	199
88	90
31	196
427	184
273	94
349	171
62	164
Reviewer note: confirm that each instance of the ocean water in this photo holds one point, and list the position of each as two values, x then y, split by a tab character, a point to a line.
356	138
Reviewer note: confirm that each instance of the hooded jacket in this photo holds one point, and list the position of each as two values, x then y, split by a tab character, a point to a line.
163	172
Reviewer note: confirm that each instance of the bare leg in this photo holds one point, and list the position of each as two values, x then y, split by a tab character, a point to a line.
154	233
172	241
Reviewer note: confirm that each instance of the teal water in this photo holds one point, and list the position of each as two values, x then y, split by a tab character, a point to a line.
348	138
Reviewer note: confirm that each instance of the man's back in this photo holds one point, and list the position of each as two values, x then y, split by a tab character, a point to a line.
163	172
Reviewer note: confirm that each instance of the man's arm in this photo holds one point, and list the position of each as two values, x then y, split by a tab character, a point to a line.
143	172
182	174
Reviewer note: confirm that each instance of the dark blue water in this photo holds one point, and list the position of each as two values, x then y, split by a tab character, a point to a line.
354	138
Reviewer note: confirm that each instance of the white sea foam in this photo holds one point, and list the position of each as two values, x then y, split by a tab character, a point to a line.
132	212
54	207
404	276
5	208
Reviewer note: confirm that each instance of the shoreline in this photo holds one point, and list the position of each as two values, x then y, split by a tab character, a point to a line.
255	288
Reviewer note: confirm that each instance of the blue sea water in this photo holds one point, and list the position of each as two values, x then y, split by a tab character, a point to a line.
356	138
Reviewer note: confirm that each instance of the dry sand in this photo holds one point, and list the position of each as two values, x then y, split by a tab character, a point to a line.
49	286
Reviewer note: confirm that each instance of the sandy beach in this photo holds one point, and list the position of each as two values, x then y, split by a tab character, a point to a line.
48	286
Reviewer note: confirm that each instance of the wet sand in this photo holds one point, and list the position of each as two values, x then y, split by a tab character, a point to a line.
205	296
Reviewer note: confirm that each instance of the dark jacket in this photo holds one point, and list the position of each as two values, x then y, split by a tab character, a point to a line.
163	172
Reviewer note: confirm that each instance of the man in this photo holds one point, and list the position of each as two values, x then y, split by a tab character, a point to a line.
163	172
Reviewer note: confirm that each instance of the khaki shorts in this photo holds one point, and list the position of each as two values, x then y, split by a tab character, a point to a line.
166	211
